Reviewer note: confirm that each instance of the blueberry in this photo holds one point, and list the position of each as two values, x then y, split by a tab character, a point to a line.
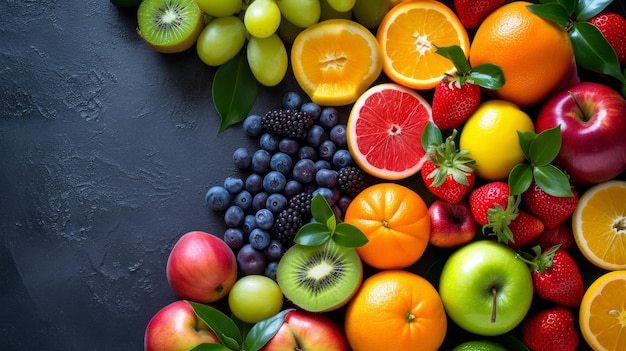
269	142
233	217
342	158
275	250
234	184
251	260
270	270
254	183
326	150
289	146
292	188
233	237
264	218
343	202
274	182
322	164
261	161
330	194
312	109
276	202
242	158
259	238
307	151
258	201
292	100
218	198
281	162
243	199
338	135
337	211
329	117
252	125
304	171
316	135
249	223
326	177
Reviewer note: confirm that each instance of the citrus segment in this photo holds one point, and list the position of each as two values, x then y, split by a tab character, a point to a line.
395	219
603	312
384	130
408	36
535	54
335	61
599	225
395	310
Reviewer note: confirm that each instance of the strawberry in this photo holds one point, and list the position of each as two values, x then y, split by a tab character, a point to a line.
550	329
447	172
524	229
486	197
511	225
551	210
613	27
473	12
556	277
561	235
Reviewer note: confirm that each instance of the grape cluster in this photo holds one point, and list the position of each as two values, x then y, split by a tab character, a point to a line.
266	25
302	152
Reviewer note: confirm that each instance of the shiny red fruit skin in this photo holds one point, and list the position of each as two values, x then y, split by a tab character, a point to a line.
550	330
562	283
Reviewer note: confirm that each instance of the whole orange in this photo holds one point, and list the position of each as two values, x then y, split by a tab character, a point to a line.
395	219
535	54
395	310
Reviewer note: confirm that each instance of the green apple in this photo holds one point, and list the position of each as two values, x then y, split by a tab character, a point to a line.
485	288
479	345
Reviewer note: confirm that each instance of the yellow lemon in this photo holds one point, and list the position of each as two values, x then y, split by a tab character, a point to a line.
490	137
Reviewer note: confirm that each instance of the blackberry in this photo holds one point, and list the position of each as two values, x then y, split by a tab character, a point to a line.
301	203
351	180
287	123
287	224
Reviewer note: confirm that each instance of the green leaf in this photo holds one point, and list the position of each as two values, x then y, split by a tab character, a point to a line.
552	11
586	9
312	234
348	235
455	54
520	178
234	91
331	224
264	330
525	141
487	75
226	330
431	135
545	147
552	180
593	52
320	209
211	347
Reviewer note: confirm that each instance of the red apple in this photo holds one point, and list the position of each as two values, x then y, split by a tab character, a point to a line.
201	267
592	117
177	328
451	225
307	331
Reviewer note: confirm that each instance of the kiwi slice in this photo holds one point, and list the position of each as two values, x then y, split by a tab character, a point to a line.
319	278
170	26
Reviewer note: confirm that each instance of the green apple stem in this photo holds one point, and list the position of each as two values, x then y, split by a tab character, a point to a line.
493	306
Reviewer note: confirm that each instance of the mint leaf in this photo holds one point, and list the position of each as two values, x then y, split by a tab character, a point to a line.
552	11
487	75
348	235
234	91
320	210
545	146
264	330
226	330
586	9
331	224
455	54
312	234
525	141
431	135
520	178
593	52
552	180
211	347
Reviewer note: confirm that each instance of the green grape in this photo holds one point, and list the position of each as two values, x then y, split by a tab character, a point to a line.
370	12
262	18
221	40
288	31
220	8
268	59
341	5
302	13
328	12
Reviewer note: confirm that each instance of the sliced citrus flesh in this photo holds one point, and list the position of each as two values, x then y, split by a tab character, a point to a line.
599	225
335	61
603	312
384	130
408	36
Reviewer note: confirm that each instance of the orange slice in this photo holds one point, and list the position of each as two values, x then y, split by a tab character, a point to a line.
335	61
603	312
408	35
599	225
384	131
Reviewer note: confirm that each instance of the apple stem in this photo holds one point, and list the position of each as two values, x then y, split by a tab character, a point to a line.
493	307
580	108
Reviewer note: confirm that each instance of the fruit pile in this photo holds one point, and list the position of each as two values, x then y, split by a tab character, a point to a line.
494	142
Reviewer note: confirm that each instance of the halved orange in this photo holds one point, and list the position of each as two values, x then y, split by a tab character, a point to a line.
384	130
408	36
599	225
603	312
335	61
